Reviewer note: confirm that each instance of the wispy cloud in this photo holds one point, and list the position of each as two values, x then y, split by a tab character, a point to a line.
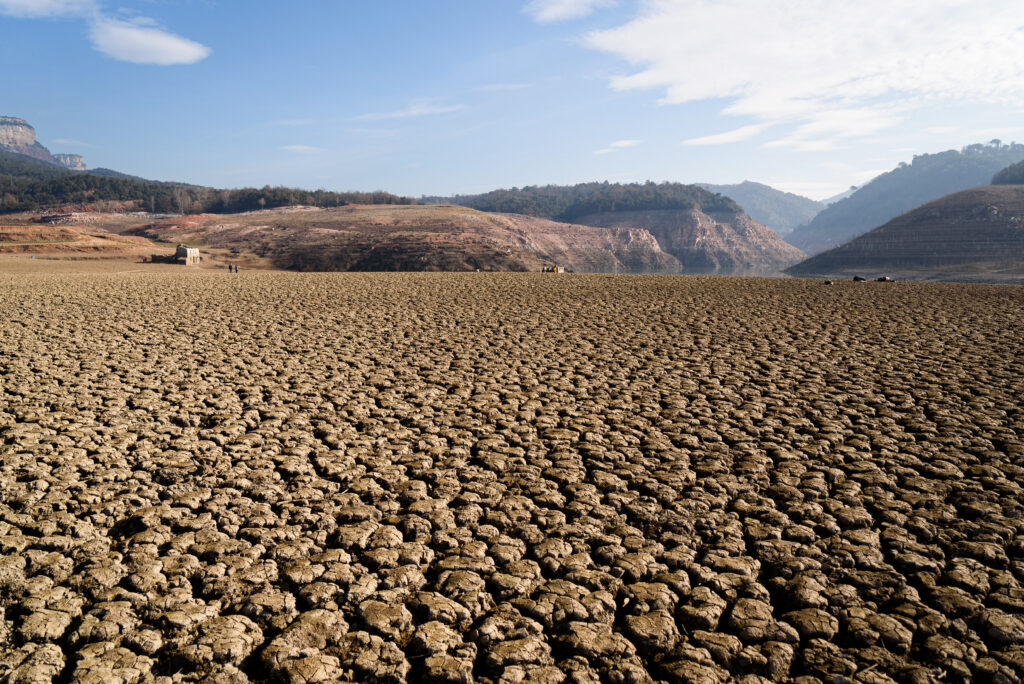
305	149
416	109
617	145
733	136
46	8
141	42
71	141
138	40
830	69
548	11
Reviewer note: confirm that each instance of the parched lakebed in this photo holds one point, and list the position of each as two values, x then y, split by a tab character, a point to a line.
509	478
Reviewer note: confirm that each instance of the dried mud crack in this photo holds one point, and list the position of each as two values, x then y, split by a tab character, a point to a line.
509	478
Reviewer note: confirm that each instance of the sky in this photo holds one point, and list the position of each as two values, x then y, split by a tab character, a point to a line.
440	97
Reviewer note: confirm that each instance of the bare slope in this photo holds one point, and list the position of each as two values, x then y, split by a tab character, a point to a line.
418	238
713	242
976	234
68	240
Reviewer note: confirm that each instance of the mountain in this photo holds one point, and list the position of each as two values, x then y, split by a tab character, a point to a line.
1011	175
975	235
16	135
415	238
928	177
707	232
714	242
780	211
841	196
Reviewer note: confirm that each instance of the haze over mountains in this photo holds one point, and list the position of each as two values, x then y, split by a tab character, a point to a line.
780	211
975	234
600	226
926	178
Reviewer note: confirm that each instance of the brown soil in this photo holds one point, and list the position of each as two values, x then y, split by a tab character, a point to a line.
416	238
508	477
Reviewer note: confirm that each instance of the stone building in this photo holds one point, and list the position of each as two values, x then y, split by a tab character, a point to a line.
184	255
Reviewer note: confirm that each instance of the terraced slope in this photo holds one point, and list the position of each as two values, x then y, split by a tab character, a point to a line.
419	238
974	235
508	477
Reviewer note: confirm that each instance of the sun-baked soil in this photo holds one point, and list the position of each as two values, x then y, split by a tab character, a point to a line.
508	477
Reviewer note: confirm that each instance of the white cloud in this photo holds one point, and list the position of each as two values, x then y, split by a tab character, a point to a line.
548	11
830	69
301	148
618	145
735	135
141	42
416	109
46	8
137	40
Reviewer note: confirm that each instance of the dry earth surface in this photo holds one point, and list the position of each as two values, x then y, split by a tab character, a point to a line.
508	478
415	238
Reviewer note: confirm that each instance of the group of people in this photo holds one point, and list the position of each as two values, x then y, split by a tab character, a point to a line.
232	268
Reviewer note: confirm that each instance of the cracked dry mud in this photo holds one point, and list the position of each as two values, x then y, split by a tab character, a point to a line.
509	478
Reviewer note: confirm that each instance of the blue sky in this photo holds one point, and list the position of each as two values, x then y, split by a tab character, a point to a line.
462	96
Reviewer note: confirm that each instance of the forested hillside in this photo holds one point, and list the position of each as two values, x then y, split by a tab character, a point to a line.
569	202
780	211
27	184
1011	175
906	187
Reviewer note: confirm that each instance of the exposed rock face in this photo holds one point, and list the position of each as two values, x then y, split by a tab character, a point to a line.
75	162
975	234
720	242
16	132
420	238
18	136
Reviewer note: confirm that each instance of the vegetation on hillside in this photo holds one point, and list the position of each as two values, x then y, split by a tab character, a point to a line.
27	184
1011	175
780	211
570	202
927	177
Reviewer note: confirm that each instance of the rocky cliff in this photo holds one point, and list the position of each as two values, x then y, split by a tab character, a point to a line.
721	242
16	135
75	162
975	234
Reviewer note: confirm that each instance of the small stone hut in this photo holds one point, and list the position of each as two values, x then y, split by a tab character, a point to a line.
184	255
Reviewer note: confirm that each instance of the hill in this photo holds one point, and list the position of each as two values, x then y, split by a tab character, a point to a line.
707	232
415	238
928	177
973	235
780	211
569	202
28	184
68	241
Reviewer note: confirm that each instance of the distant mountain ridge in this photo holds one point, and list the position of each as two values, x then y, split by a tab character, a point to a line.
975	234
928	177
780	211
